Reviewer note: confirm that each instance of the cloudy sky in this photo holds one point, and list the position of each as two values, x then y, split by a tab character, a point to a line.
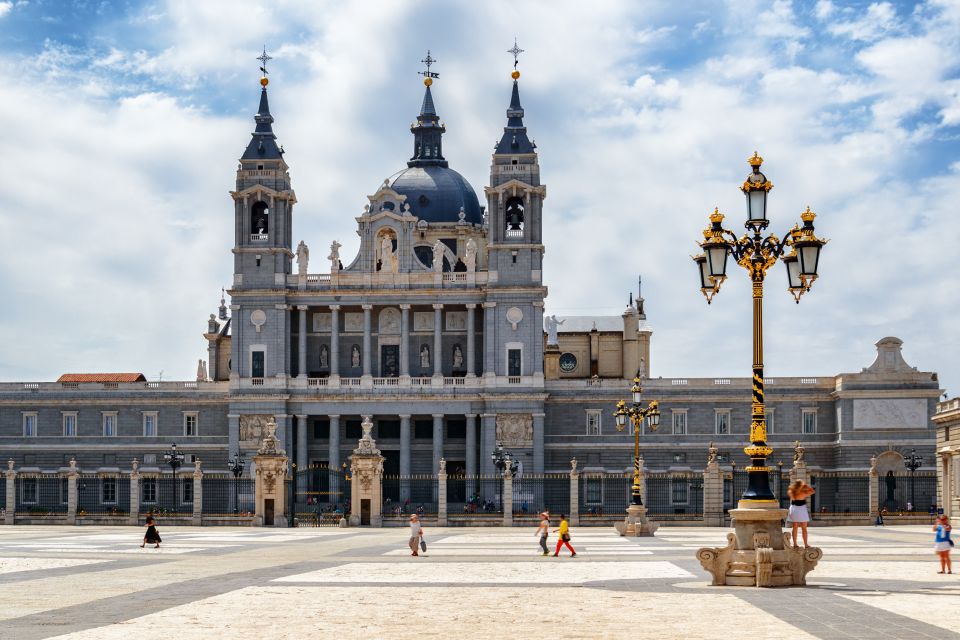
123	122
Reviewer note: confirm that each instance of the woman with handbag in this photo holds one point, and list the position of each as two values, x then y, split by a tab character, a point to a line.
943	544
564	539
416	536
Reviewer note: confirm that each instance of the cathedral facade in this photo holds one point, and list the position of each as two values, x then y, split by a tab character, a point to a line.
436	331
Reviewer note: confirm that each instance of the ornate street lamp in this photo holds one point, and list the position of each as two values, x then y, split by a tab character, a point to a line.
912	463
174	458
636	413
235	464
800	252
503	459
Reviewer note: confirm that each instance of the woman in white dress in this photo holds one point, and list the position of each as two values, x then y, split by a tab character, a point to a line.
799	514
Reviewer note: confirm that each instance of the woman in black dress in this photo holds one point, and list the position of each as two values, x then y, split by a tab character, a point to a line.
151	535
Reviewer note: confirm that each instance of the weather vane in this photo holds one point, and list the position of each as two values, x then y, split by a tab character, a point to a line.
516	51
264	58
428	75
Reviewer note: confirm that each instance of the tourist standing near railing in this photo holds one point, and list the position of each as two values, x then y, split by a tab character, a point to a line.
799	515
564	531
943	544
543	530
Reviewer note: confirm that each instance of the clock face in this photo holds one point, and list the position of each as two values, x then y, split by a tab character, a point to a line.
568	362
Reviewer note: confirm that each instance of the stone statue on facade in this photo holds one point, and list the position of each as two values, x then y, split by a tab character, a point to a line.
303	257
201	371
355	356
324	357
642	371
334	256
552	326
798	452
367	445
270	443
388	259
438	251
424	356
457	357
573	465
712	454
470	257
212	325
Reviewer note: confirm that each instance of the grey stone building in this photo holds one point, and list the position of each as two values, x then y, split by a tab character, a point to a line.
435	329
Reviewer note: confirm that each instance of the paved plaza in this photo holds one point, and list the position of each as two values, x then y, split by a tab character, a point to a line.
96	583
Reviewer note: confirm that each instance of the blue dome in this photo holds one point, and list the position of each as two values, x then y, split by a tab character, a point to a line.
436	194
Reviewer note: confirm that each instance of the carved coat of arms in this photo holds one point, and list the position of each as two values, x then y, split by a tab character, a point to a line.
515	430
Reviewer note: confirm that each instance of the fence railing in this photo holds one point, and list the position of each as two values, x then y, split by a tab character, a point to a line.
227	496
673	496
840	492
41	495
166	496
535	493
409	494
474	495
603	494
321	496
905	492
103	495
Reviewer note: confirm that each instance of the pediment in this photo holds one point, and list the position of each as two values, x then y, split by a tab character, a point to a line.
515	187
260	190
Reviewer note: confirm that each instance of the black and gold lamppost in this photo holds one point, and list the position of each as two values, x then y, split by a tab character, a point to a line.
636	413
799	251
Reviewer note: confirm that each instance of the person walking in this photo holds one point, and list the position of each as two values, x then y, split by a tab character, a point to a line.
543	530
416	535
564	539
799	515
151	535
943	544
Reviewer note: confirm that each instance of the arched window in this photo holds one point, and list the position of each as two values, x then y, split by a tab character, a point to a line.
260	218
513	214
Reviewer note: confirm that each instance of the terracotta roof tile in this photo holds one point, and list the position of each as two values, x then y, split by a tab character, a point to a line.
102	377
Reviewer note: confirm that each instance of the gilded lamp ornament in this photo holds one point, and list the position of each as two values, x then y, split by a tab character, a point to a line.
636	413
799	250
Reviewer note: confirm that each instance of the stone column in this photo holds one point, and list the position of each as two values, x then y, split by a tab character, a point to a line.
404	458
471	342
874	490
507	498
134	516
538	442
366	487
303	456
11	497
437	440
712	490
333	445
488	441
72	475
302	344
404	341
271	480
437	342
197	519
574	515
366	339
335	341
489	339
442	494
471	461
233	433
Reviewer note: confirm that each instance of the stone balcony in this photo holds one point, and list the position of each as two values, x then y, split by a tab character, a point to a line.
387	280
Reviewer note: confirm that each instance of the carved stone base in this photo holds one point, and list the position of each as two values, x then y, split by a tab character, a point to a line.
636	523
758	553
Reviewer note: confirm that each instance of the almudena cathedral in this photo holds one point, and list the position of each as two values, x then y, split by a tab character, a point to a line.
436	331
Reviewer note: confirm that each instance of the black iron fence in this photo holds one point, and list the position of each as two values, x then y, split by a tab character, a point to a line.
675	496
321	496
41	495
606	494
226	496
536	493
474	495
908	492
166	496
102	495
840	492
409	494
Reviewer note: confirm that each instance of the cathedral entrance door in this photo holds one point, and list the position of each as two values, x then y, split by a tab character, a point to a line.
390	360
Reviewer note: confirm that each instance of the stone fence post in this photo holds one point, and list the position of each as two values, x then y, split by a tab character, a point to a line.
874	491
574	516
442	494
507	497
712	490
11	493
72	492
134	516
197	519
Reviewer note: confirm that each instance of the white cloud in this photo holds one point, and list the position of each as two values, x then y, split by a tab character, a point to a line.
5	8
879	19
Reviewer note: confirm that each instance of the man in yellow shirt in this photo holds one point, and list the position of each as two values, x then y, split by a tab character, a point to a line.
564	539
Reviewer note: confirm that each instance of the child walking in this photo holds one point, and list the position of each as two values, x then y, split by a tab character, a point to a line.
564	531
799	515
151	535
943	544
543	530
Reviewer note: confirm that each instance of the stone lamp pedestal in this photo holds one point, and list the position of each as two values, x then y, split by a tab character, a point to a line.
271	481
758	552
366	487
636	523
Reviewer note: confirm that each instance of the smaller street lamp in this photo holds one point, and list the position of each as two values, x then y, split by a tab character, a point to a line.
174	457
912	463
235	464
636	413
503	459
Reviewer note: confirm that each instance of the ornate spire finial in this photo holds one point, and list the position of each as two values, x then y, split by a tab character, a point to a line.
428	75
264	59
516	51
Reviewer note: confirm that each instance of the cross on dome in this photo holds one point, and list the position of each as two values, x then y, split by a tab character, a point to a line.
516	51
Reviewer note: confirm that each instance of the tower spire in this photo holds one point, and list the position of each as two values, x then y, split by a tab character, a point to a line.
263	146
427	130
515	138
